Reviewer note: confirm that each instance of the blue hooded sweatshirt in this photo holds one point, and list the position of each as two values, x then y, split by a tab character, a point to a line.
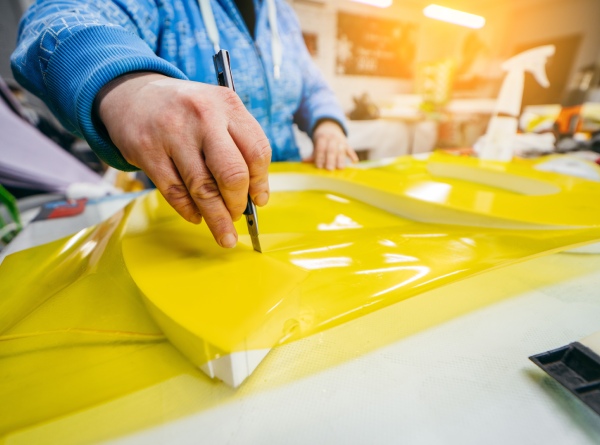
69	49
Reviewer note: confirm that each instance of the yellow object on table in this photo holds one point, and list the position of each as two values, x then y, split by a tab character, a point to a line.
75	332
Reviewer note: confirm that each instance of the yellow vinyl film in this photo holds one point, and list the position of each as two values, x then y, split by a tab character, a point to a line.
92	319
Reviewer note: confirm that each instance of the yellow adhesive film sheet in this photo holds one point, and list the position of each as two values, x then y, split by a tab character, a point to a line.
137	303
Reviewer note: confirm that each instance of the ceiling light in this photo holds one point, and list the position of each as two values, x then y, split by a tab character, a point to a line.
454	16
378	3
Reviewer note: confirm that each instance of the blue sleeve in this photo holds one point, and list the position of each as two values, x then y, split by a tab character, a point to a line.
318	101
67	50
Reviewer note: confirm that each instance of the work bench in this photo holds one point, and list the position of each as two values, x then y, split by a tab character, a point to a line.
382	379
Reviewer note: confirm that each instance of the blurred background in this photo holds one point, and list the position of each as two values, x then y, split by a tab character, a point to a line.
438	81
510	27
411	83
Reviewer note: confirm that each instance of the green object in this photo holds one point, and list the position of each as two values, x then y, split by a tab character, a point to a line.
11	204
434	84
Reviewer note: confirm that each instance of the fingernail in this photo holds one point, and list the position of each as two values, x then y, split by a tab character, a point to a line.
261	199
196	218
229	240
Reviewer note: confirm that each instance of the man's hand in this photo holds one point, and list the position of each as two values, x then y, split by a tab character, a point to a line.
196	142
331	146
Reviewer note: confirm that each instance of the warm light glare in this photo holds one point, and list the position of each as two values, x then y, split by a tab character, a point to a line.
454	16
378	3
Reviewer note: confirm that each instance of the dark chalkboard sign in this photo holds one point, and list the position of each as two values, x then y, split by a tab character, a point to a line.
372	46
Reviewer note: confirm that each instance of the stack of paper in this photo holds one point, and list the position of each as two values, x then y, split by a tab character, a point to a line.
30	160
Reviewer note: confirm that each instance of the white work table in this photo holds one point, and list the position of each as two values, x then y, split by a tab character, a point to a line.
467	381
464	381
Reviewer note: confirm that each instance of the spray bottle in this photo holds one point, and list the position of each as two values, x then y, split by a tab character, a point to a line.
498	141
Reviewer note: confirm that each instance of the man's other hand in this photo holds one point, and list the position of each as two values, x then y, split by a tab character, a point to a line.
198	144
331	146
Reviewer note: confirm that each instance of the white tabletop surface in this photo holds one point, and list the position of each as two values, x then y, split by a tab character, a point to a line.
466	381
